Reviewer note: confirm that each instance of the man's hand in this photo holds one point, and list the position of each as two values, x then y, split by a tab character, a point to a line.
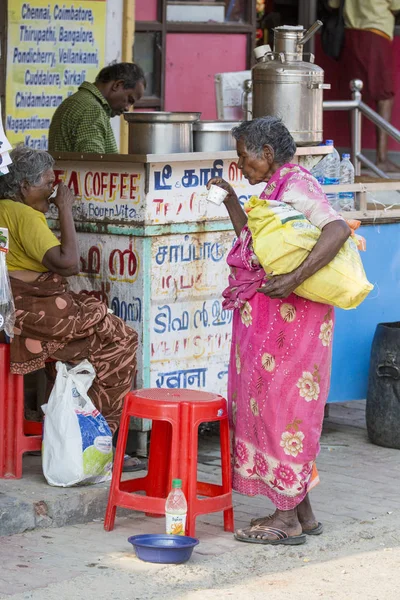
279	286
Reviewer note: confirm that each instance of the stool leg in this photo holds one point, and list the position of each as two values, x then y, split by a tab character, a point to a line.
11	418
177	467
190	462
159	461
109	519
226	472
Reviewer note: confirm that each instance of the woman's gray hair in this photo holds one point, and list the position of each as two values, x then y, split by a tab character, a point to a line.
264	131
27	165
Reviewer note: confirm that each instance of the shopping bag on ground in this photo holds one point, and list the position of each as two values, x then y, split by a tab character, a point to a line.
77	442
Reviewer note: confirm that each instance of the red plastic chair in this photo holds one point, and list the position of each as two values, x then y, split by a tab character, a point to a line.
176	416
17	435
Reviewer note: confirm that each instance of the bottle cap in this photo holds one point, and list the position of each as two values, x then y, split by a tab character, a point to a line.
345	155
329	143
176	483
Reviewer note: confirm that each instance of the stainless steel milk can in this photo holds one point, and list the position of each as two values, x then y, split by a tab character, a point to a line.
289	85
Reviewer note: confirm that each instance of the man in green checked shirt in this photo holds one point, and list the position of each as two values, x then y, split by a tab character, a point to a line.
82	122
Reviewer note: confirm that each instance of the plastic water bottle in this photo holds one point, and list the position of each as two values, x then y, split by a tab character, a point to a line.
346	199
332	172
318	171
176	509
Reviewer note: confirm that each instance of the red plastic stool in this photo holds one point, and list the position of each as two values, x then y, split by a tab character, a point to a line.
17	435
176	416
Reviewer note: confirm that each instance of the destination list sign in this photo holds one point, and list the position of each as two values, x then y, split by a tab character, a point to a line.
53	47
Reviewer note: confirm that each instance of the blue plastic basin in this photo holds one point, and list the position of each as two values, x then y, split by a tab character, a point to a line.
163	548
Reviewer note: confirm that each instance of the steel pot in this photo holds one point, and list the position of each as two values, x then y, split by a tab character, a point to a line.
161	132
213	136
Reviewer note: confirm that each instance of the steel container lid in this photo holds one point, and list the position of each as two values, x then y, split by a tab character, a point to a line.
215	125
161	117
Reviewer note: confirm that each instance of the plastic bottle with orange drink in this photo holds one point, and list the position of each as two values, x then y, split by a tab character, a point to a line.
176	509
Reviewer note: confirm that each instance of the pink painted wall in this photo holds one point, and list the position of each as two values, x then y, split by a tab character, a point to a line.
146	10
192	60
336	124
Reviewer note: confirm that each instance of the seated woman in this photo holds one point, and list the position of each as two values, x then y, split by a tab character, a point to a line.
281	343
51	322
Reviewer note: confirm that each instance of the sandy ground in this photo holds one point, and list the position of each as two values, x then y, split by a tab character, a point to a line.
359	560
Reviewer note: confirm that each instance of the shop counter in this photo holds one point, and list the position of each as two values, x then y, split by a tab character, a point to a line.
155	251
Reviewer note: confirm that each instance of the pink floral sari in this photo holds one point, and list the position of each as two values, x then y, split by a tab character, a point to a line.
279	369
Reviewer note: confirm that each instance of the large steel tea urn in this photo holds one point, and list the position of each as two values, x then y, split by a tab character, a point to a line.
286	86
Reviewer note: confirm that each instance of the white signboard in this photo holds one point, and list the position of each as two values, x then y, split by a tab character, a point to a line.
104	192
177	191
190	330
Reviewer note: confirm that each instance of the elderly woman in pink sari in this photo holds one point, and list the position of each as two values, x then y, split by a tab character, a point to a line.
281	345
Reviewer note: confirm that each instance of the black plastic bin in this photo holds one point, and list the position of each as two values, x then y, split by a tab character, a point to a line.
383	397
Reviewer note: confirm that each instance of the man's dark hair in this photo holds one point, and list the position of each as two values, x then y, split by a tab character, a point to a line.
129	73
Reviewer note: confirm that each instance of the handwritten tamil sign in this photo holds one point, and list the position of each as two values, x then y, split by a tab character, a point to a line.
52	48
178	194
111	270
190	343
190	331
190	266
104	192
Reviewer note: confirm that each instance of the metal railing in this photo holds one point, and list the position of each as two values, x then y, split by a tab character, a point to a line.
358	109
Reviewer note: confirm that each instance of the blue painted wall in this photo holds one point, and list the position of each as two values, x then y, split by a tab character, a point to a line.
355	328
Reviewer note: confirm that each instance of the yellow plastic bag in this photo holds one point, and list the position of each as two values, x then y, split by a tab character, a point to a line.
282	240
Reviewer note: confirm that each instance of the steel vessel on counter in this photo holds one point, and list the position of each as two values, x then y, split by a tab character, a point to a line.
285	85
213	136
161	132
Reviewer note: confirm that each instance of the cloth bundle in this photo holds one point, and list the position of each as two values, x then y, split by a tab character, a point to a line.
282	240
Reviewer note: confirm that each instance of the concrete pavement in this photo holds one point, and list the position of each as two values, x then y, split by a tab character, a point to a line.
358	481
359	553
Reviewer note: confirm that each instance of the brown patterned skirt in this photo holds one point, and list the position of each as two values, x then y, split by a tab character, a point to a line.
54	323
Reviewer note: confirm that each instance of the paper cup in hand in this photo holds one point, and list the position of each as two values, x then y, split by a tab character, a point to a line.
216	194
53	193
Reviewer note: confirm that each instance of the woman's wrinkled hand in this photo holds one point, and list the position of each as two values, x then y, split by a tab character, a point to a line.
222	184
279	286
64	197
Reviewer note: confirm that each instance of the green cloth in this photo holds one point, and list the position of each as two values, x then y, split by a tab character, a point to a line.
82	123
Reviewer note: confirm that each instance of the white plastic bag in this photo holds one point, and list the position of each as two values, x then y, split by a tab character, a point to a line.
7	309
77	442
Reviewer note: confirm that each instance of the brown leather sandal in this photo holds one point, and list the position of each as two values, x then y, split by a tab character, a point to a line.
250	535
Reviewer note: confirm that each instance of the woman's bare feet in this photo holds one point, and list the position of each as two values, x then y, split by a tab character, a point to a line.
305	517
